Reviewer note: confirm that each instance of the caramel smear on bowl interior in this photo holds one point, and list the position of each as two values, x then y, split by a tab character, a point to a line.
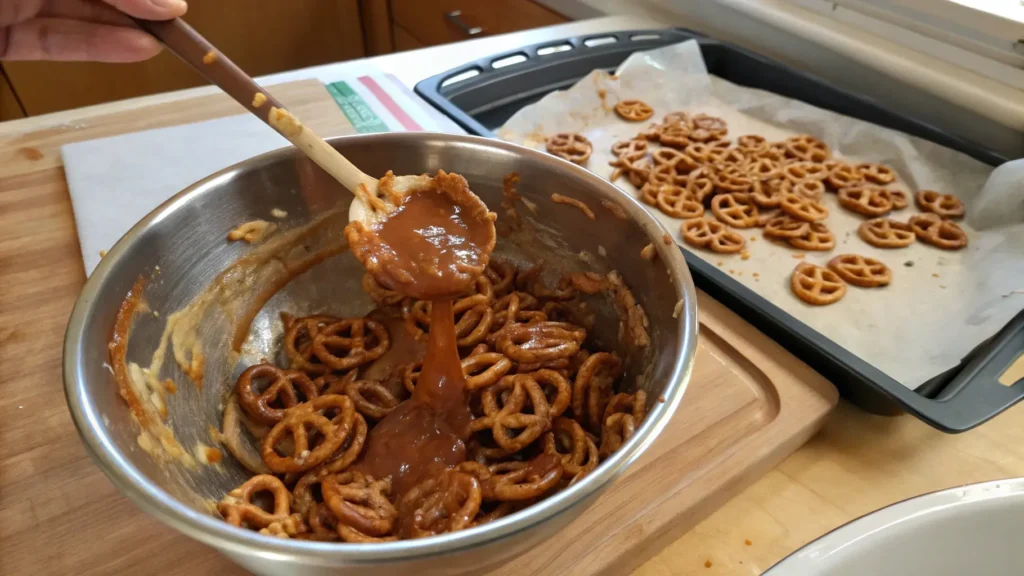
432	246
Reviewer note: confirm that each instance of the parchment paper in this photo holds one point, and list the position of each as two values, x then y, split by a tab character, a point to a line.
940	304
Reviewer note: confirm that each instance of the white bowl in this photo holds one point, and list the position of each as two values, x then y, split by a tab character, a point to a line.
974	530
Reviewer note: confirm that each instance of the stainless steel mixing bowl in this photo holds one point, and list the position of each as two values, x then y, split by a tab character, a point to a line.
180	246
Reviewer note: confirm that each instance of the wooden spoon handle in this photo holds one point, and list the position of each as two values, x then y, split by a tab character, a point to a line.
196	51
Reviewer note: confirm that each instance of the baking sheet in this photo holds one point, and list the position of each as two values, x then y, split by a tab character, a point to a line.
940	304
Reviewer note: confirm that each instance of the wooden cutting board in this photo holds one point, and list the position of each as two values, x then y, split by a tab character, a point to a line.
749	403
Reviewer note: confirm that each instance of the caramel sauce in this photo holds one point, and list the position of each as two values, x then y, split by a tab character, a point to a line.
213	455
432	246
118	349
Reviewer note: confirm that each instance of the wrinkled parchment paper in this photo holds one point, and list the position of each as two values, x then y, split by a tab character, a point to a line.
940	304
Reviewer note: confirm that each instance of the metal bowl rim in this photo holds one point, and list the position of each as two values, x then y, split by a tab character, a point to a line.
212	531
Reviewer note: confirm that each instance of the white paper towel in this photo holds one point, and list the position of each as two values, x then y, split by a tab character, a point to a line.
937	308
115	181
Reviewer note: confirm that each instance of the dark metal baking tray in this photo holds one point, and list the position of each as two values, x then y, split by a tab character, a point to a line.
481	95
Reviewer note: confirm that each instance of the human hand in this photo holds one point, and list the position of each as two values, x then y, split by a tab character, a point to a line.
81	29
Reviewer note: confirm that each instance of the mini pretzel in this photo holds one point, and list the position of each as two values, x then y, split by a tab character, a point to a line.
763	168
769	194
444	503
813	189
818	238
628	146
675	135
703	233
512	428
281	388
844	176
798	171
501	274
625	412
633	165
866	200
899	199
298	343
714	125
776	151
473	325
350	342
752	144
816	285
295	422
484	369
633	404
634	110
704	153
945	205
539	342
570	146
733	179
550	380
350	448
733	157
701	183
592	388
379	294
580	456
808	148
885	233
617	430
860	270
682	163
677	117
361	506
371	398
323	525
651	133
515	481
736	210
666	174
784	227
877	173
932	229
238	509
802	208
679	202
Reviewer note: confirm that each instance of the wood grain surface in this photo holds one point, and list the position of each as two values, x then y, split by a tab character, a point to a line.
750	403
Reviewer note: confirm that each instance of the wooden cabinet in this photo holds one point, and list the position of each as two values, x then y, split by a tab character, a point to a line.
9	107
261	36
267	36
432	22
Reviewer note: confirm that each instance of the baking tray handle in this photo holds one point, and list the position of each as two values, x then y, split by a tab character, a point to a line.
976	394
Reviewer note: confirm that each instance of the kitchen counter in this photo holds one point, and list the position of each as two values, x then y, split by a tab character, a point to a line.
857	463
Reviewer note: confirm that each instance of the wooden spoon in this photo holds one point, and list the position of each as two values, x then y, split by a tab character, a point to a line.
190	46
